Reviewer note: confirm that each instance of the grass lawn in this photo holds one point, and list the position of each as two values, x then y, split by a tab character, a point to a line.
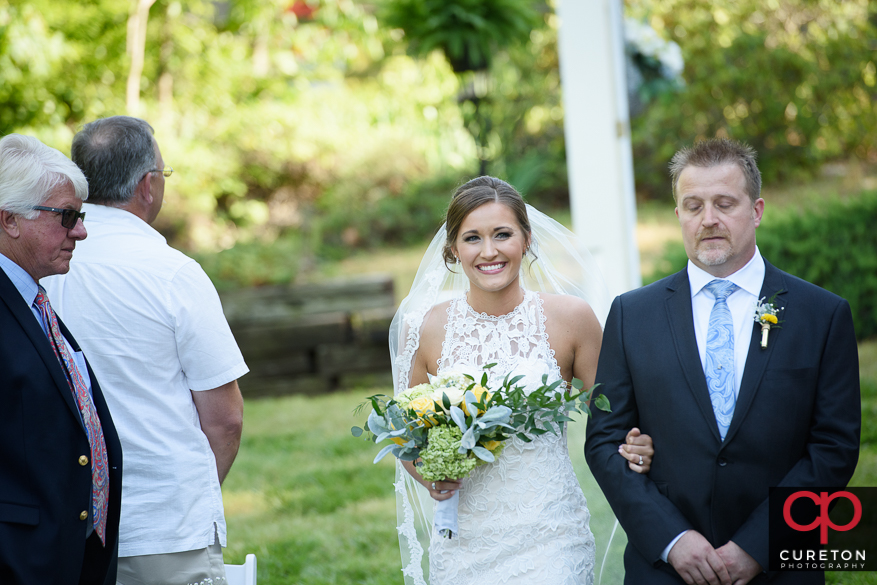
304	496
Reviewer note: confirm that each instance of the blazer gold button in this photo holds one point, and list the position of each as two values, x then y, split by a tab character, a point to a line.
83	460
84	515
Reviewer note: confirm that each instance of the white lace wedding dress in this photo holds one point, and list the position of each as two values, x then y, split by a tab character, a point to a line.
523	519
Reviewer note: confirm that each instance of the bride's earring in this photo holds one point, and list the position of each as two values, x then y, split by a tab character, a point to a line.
457	259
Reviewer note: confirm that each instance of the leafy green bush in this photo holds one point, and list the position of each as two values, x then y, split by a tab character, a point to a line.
833	245
254	263
794	78
378	216
469	32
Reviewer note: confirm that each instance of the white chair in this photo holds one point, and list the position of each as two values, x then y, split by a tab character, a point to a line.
242	574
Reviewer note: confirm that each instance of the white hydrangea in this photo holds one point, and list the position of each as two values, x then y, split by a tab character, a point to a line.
641	38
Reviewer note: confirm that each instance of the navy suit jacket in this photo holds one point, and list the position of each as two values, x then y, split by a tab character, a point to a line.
43	486
796	422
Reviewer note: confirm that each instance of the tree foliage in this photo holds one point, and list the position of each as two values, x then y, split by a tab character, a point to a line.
308	117
468	32
794	78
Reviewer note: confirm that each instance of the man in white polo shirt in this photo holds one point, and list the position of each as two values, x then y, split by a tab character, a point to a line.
152	325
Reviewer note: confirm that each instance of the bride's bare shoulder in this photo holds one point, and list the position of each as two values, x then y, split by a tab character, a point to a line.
434	323
572	311
564	304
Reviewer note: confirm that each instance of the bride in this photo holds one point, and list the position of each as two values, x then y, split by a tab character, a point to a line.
502	283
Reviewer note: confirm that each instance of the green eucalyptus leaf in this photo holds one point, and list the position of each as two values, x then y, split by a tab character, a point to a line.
515	380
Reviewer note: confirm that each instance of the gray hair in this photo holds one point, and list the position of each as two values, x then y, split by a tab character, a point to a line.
114	153
30	171
715	152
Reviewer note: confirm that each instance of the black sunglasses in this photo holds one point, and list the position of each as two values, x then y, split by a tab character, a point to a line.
68	216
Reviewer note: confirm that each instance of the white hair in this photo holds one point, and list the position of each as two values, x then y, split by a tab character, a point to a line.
30	171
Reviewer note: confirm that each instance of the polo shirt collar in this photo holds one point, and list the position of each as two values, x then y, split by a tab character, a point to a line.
119	217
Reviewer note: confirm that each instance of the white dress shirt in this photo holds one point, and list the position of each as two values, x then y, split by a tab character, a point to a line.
741	303
151	323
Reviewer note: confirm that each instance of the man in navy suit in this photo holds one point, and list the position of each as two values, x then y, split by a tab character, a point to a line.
730	416
60	482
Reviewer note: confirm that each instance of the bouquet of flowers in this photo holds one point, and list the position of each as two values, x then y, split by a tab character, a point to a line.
453	424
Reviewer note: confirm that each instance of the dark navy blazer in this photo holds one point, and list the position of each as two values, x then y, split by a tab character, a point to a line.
43	485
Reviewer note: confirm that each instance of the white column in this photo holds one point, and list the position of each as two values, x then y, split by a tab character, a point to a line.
597	130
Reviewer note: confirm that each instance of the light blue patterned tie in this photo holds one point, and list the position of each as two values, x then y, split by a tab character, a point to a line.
719	366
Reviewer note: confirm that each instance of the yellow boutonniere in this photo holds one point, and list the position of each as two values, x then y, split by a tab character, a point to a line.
766	317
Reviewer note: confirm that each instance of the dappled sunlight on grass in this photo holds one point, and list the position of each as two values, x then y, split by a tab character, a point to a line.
244	502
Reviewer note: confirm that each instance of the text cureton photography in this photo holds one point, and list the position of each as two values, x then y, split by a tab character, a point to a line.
823	529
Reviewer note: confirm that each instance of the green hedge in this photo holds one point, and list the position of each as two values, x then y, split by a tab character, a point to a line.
833	245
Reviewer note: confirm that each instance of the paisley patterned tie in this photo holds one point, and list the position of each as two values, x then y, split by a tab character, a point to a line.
100	477
719	364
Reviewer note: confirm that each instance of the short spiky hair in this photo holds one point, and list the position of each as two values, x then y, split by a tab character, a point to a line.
715	152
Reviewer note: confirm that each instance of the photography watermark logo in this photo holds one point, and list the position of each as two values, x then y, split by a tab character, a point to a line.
823	529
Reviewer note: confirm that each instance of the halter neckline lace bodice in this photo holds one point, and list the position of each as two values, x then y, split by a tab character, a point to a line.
516	342
489	317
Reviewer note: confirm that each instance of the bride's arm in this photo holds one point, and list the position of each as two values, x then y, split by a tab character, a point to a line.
440	490
586	351
428	352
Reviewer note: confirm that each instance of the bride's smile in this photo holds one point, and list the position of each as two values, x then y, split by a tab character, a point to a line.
491	268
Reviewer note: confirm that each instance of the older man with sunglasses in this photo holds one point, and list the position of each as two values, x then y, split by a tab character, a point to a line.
151	321
60	482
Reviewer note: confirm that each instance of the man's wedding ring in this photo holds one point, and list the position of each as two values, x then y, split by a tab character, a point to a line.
433	486
640	461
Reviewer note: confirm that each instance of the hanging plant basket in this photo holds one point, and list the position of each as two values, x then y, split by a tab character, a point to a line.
468	32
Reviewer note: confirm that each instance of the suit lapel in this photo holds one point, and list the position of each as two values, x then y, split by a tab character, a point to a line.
681	321
22	313
758	357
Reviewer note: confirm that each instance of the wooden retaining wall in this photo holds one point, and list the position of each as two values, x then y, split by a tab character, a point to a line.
314	338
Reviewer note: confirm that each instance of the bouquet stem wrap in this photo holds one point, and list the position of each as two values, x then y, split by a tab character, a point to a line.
445	520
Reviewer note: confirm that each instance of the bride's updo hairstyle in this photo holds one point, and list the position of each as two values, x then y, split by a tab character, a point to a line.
473	195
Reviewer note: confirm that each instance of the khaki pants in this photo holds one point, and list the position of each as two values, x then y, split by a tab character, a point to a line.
194	567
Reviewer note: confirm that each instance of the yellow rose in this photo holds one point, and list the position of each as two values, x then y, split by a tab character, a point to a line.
424	406
491	445
767	317
481	395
